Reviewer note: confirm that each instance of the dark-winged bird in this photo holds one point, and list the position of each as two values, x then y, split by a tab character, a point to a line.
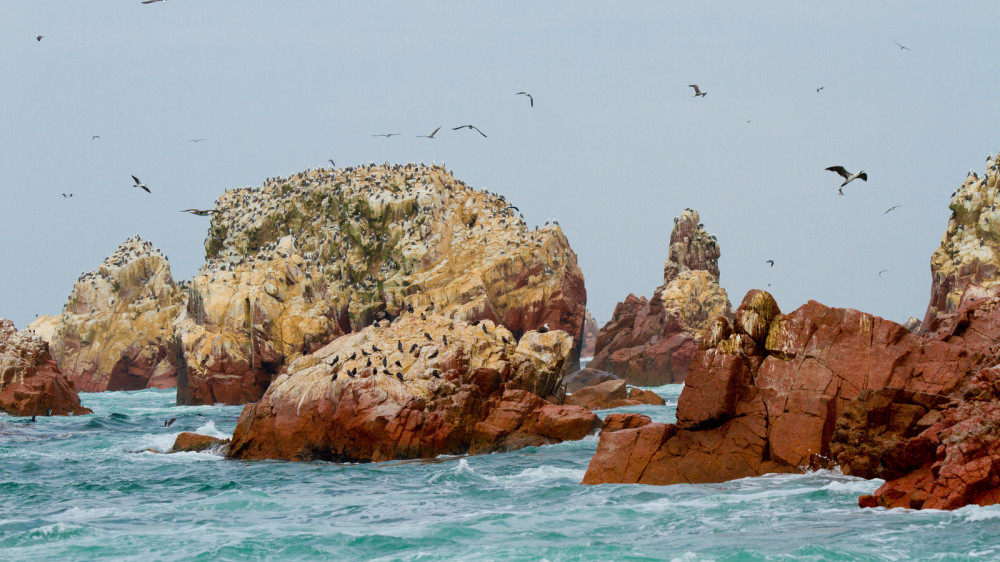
199	212
169	422
697	92
894	207
140	184
38	37
901	47
386	135
848	176
469	127
531	100
769	262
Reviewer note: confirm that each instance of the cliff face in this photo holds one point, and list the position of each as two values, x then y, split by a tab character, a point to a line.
651	342
969	254
420	386
30	381
303	260
115	331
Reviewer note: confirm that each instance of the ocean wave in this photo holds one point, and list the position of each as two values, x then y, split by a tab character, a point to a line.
210	429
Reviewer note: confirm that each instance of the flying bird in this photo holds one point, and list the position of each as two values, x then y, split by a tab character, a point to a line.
901	47
151	1
848	176
67	195
195	140
881	272
531	100
200	212
95	137
386	135
818	89
430	136
38	37
140	184
469	127
169	422
769	262
332	163
894	207
697	92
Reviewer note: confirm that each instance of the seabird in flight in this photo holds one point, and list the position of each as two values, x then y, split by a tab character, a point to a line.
199	212
901	47
430	136
386	135
881	272
848	176
469	127
697	92
140	184
151	1
195	140
332	163
818	89
769	262
67	195
891	208
169	422
95	137
531	100
38	37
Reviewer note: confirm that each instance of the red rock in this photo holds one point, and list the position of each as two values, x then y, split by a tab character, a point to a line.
30	381
586	377
651	342
612	394
618	422
590	330
188	442
486	397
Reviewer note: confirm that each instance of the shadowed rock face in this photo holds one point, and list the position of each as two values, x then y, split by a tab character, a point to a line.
30	381
115	330
303	260
651	342
415	388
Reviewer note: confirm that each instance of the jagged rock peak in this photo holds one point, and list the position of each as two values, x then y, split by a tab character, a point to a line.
969	253
691	247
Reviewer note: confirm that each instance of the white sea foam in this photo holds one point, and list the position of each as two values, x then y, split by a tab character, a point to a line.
690	557
979	513
210	429
463	467
545	473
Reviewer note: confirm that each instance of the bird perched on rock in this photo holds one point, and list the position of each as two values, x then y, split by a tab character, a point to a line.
544	328
848	176
140	184
531	100
697	92
473	127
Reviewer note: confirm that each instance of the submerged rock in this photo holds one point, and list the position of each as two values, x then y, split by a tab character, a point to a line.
421	386
30	381
651	342
188	442
303	260
115	330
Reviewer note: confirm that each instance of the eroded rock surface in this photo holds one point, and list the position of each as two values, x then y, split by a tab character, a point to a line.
651	342
303	260
421	386
613	394
115	331
30	381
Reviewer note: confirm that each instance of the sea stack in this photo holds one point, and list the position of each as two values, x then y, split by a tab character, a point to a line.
30	381
651	342
300	261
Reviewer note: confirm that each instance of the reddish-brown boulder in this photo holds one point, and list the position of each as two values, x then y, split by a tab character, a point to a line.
415	388
590	330
612	394
188	442
779	392
30	381
586	377
651	342
618	422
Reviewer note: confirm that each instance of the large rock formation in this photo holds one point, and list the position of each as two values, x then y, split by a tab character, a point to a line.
303	260
824	387
590	330
651	342
413	388
768	394
969	254
30	381
115	330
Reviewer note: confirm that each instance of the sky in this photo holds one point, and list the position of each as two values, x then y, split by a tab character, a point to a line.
614	147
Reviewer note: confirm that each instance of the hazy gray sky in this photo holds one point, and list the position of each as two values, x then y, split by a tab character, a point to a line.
614	148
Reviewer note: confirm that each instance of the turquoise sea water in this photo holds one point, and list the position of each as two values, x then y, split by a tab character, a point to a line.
77	488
